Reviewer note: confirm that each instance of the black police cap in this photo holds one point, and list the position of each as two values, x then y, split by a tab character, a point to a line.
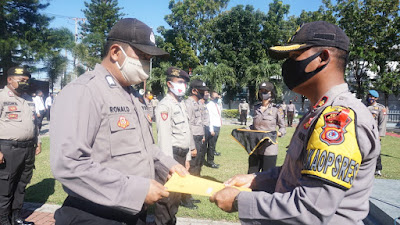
176	72
18	71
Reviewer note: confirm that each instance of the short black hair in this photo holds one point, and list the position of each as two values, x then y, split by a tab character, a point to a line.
342	56
108	45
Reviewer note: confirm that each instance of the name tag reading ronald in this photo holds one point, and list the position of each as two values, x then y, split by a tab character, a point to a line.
195	185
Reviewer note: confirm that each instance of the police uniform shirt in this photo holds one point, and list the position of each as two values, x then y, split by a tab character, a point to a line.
291	108
173	126
243	106
329	185
101	143
205	117
268	121
379	113
17	116
194	113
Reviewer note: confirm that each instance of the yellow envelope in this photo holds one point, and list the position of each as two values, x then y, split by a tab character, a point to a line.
195	185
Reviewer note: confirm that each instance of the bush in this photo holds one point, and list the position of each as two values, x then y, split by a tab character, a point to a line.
230	113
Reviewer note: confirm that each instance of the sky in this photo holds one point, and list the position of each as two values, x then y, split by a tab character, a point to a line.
152	12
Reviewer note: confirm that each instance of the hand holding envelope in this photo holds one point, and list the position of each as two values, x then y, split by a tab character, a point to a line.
195	185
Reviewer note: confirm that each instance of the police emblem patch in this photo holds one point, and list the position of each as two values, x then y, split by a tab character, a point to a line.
12	108
123	122
164	115
334	128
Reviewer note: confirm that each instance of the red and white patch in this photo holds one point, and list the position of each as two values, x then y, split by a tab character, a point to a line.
308	123
10	93
123	122
334	128
164	115
12	108
12	116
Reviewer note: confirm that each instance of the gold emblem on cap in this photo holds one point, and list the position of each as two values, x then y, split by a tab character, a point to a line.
19	71
175	72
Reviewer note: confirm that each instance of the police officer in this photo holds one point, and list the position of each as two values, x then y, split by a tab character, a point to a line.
101	144
379	113
18	144
243	109
174	137
266	118
197	91
290	110
148	96
328	172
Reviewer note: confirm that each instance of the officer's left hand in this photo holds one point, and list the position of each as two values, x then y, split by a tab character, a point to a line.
279	134
187	165
1	158
38	149
224	198
194	152
179	169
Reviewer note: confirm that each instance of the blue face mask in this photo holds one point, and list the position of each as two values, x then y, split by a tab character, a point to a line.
370	100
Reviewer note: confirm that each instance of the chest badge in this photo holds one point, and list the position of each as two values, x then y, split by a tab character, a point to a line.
164	115
123	122
12	108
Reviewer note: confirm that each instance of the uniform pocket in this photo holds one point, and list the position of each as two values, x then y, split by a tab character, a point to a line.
179	122
4	183
124	137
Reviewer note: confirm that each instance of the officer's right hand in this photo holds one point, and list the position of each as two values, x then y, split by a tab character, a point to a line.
212	133
155	193
1	158
243	180
193	152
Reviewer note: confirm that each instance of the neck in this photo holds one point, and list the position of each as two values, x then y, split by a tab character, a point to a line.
265	102
114	71
12	89
195	98
174	96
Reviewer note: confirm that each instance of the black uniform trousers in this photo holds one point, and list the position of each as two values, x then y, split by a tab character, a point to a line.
40	119
166	208
77	211
212	143
243	117
15	173
290	115
197	162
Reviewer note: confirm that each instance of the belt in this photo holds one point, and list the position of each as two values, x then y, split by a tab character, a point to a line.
182	152
19	144
101	210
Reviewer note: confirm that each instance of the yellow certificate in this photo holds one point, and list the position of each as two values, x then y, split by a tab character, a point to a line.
195	185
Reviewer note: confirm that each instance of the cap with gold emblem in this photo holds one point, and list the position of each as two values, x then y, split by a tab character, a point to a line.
18	71
176	72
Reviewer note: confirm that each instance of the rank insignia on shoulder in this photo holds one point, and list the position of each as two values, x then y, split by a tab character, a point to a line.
10	93
321	102
110	81
12	108
164	115
123	122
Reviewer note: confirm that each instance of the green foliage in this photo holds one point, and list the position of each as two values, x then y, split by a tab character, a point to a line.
230	113
56	66
216	76
101	16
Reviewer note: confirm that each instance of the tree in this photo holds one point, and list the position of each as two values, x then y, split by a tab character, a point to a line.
56	66
23	33
101	15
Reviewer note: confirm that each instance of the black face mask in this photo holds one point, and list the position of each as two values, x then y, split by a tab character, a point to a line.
264	96
293	72
200	94
22	87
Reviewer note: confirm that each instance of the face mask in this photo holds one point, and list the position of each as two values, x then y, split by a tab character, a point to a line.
206	97
178	89
264	96
23	86
135	71
370	101
293	72
200	94
215	100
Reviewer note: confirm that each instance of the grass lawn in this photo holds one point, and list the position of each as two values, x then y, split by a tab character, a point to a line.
233	160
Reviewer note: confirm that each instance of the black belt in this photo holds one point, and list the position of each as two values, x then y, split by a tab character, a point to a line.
19	144
101	210
182	152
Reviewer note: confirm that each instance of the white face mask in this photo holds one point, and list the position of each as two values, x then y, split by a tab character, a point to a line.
135	71
178	89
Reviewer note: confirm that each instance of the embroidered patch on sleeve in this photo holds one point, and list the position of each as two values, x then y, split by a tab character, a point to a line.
333	154
164	115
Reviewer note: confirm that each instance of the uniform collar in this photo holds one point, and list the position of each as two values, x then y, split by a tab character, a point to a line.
330	95
169	96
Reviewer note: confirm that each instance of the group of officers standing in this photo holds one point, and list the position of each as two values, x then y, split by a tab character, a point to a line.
103	152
